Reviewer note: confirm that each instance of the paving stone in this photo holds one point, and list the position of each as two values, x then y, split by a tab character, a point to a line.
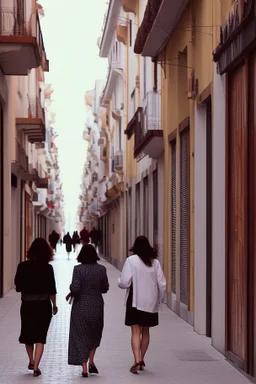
177	355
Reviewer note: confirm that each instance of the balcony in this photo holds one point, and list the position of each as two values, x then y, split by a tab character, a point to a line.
20	165
34	124
160	19
42	183
115	69
21	40
146	126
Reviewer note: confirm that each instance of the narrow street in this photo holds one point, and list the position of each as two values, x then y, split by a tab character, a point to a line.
177	354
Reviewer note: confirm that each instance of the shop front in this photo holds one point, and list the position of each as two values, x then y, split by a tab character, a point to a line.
236	58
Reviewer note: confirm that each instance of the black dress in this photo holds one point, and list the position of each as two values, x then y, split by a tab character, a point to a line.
134	316
89	282
36	283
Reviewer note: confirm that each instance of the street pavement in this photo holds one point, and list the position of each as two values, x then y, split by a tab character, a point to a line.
177	355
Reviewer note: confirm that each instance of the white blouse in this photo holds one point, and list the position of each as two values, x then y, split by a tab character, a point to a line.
149	284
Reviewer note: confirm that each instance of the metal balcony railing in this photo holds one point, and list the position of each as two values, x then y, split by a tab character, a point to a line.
152	111
21	157
35	109
15	22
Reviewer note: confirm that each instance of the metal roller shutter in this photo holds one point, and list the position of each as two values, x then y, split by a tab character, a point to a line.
184	215
173	215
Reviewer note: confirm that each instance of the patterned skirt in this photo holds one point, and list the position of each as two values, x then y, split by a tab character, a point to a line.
86	327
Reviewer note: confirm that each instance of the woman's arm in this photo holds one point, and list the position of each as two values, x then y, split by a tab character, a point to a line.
18	279
161	281
75	286
104	281
54	306
125	278
52	289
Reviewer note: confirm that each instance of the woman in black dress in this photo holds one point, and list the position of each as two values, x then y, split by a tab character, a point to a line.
89	282
35	280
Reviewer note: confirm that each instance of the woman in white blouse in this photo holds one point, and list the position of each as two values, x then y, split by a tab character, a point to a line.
144	280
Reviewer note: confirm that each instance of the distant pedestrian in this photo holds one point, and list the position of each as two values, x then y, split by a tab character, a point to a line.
144	280
85	237
75	240
53	239
35	280
95	237
89	282
67	240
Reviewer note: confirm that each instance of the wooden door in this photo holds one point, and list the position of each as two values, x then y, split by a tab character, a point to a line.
1	204
237	185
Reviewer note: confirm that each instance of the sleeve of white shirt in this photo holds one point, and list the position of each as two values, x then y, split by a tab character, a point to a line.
161	281
125	279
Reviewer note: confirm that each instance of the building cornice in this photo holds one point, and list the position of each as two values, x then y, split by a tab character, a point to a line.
110	27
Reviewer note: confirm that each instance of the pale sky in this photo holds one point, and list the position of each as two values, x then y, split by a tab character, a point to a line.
70	31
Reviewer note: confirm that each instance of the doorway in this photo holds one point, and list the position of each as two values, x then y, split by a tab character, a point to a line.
209	217
1	203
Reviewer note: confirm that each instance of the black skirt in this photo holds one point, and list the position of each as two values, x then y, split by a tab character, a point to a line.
134	316
35	321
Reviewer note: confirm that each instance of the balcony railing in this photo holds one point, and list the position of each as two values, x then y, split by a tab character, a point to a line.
21	38
35	110
21	157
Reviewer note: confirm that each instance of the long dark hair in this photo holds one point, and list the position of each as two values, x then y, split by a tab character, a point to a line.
143	249
40	251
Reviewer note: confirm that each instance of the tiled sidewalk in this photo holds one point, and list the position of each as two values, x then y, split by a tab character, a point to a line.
177	354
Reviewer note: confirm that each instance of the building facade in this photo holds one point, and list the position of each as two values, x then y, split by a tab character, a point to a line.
26	132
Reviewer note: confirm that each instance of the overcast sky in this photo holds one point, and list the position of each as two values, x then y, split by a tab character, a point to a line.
70	31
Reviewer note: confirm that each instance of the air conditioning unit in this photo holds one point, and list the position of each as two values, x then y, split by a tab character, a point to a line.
102	141
118	161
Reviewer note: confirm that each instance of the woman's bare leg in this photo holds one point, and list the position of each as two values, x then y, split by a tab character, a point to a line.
38	355
84	365
135	342
145	338
91	356
30	352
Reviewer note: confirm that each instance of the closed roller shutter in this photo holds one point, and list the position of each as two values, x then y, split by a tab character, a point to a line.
173	215
184	215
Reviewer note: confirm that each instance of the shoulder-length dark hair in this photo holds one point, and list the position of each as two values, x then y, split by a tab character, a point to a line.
144	250
88	255
40	251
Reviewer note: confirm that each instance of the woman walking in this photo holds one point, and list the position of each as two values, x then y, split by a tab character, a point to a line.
67	240
35	280
144	280
89	282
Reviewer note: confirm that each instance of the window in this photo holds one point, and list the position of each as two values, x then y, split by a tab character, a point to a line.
137	211
120	134
155	208
130	33
145	76
145	207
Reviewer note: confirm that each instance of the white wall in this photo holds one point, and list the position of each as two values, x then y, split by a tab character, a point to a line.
218	203
200	220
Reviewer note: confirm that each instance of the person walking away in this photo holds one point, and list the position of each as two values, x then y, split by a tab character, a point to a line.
94	236
144	280
75	240
67	240
89	282
53	239
85	237
36	282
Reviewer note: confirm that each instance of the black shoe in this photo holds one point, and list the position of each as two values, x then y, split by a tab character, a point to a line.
85	374
37	373
93	369
142	365
134	368
31	367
